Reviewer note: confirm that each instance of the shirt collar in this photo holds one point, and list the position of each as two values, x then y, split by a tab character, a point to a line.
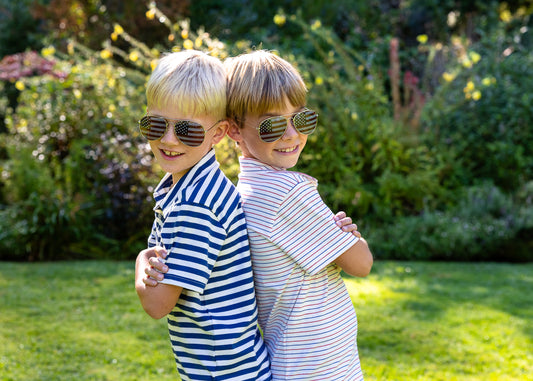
249	166
165	193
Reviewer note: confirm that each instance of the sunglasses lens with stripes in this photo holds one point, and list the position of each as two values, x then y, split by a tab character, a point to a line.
272	129
189	133
305	121
152	128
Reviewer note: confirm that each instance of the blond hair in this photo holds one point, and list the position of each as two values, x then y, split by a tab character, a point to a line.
191	81
260	81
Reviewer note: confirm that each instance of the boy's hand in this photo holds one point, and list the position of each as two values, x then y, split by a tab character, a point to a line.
345	223
156	268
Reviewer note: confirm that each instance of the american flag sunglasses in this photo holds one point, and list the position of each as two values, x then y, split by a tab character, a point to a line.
188	132
273	128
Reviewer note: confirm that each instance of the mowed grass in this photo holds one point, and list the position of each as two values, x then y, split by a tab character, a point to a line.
417	321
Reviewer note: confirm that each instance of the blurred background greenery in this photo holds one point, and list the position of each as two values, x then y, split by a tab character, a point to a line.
425	136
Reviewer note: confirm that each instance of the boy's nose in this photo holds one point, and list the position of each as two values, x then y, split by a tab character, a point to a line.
291	131
170	136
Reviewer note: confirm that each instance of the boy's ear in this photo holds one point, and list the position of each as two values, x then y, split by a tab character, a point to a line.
234	131
220	131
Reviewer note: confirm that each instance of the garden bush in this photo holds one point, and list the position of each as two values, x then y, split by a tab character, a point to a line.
485	225
74	177
483	109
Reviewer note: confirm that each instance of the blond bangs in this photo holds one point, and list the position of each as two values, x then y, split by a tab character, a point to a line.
194	84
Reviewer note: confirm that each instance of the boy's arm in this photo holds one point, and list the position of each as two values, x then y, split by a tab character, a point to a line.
357	260
156	301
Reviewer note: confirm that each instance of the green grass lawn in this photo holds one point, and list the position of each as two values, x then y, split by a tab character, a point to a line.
417	321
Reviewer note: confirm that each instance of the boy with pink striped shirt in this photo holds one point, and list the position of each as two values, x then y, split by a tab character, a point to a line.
308	320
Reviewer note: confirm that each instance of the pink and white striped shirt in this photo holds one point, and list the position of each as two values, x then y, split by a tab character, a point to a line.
308	320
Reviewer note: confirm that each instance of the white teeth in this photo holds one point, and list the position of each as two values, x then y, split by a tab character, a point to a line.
171	153
286	149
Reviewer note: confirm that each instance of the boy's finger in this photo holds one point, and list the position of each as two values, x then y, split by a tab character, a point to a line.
149	282
154	274
157	264
340	215
160	251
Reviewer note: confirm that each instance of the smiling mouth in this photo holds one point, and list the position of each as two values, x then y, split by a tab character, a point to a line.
287	150
171	153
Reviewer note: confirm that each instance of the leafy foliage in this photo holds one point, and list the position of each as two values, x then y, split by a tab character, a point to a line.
486	225
482	113
72	183
426	149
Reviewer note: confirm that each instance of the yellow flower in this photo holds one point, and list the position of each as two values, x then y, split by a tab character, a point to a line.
467	63
422	38
188	44
111	82
20	85
105	54
153	64
369	86
280	20
77	93
112	107
134	55
70	48
360	68
476	95
475	57
317	24
468	96
184	34
198	42
486	81
118	29
506	16
150	14
319	81
448	77
114	36
171	37
469	87
48	51
355	116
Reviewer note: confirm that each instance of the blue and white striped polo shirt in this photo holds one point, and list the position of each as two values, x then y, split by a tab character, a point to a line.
213	328
308	320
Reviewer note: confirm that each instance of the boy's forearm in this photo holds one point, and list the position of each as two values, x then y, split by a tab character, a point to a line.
156	301
357	260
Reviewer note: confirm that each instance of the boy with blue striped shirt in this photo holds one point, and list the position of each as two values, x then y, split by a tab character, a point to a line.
208	292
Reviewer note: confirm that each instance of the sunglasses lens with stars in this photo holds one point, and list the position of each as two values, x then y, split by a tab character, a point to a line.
273	128
189	133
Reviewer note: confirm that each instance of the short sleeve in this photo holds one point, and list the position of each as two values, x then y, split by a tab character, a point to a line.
305	229
193	238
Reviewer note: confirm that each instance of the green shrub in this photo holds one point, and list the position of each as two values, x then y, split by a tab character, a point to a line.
74	179
483	112
486	225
